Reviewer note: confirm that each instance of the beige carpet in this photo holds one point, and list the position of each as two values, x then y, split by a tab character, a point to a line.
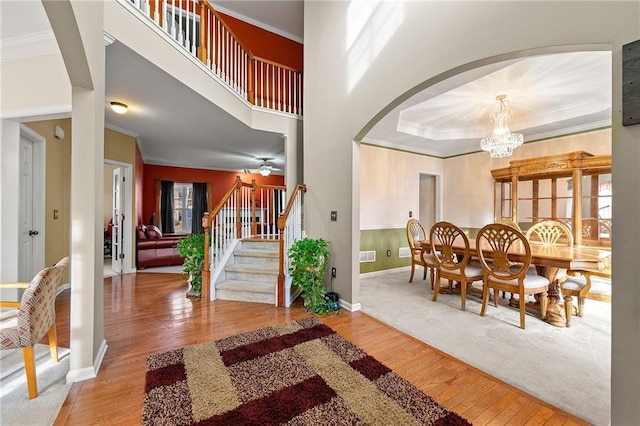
16	408
567	367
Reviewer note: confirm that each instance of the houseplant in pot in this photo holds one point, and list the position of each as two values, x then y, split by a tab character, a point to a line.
308	263
191	248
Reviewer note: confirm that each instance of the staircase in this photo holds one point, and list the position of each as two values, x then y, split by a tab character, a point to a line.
252	273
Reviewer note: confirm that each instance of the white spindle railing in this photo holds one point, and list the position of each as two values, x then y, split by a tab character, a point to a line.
290	226
200	30
246	211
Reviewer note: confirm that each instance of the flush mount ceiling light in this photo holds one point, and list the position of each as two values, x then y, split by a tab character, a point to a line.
502	142
265	170
119	107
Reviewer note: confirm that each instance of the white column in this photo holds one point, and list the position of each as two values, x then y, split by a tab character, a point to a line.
78	27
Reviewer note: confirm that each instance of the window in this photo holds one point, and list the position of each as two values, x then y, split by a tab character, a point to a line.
182	207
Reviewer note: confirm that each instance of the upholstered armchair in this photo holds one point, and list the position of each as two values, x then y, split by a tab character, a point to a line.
34	317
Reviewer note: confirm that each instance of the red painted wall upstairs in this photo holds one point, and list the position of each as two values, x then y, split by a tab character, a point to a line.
266	44
221	182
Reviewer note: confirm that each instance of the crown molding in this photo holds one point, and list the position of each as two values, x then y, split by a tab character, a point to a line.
27	46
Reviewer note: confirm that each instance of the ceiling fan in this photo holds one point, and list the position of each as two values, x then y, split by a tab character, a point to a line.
265	168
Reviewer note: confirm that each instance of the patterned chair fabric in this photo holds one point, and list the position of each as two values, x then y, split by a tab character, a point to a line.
36	316
36	313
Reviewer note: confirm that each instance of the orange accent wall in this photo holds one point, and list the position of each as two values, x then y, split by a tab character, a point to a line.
220	181
266	44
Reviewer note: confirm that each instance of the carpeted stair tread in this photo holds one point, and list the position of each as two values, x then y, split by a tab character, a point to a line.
248	286
252	268
256	253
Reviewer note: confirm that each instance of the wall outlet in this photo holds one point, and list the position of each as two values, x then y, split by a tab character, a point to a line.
388	253
333	272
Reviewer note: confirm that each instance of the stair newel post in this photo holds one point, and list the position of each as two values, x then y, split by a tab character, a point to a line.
202	49
251	85
254	225
206	271
281	275
238	206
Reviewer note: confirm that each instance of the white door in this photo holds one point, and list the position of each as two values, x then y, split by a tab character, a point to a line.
27	232
117	254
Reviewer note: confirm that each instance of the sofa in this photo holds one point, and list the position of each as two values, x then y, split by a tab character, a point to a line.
156	249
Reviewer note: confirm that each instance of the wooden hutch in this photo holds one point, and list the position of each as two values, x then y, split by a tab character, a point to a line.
573	188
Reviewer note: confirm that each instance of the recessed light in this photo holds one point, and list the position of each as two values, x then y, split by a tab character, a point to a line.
119	107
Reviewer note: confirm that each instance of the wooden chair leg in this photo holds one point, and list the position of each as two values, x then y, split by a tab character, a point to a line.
424	275
30	369
436	288
485	299
580	306
463	294
544	302
568	309
53	343
431	276
413	269
522	315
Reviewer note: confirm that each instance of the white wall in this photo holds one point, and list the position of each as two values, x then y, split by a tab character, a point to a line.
390	185
35	86
363	57
473	206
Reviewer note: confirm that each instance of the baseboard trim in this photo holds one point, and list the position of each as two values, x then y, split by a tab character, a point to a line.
349	307
384	271
87	373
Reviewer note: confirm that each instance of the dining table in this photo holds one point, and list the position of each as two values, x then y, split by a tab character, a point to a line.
548	261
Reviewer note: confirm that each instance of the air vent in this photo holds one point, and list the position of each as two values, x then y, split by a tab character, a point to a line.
367	256
404	252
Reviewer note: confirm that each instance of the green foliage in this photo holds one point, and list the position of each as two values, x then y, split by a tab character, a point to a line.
191	248
309	260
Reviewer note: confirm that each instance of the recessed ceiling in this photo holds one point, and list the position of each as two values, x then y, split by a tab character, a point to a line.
550	95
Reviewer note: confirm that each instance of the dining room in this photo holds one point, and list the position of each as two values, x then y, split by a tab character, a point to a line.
566	366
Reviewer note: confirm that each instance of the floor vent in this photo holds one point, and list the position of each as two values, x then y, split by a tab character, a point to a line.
367	256
404	252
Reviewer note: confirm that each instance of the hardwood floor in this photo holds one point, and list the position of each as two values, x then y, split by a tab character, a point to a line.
147	313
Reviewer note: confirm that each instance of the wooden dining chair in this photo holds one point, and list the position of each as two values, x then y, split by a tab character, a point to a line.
419	256
495	243
450	266
510	223
578	282
550	233
34	318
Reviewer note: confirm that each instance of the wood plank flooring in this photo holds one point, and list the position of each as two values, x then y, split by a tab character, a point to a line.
147	313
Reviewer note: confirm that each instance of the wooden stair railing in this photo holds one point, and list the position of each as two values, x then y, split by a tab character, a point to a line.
259	81
247	210
290	226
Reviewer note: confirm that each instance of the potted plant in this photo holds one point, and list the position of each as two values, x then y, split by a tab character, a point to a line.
308	263
191	248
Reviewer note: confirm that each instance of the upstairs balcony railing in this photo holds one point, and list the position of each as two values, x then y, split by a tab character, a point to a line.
202	32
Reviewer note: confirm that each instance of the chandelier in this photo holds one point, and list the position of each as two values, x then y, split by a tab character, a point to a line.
501	142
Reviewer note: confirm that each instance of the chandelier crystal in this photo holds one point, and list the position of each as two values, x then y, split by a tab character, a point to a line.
502	142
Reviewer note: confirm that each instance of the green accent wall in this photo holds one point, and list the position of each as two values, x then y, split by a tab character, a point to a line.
382	240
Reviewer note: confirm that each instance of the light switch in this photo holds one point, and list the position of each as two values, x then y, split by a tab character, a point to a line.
55	214
334	215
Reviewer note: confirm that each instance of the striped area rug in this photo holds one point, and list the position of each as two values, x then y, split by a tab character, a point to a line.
298	373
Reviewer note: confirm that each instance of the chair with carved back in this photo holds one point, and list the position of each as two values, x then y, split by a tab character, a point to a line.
495	243
549	233
510	223
450	266
581	282
33	319
419	256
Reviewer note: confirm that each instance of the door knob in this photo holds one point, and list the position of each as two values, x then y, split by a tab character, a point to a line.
33	233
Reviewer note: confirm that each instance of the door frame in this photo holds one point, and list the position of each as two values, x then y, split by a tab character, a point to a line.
38	197
127	227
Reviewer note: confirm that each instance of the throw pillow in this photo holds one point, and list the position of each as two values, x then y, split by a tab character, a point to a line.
142	232
153	232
